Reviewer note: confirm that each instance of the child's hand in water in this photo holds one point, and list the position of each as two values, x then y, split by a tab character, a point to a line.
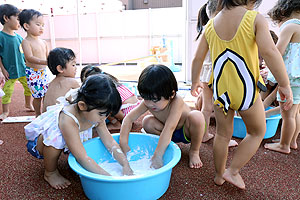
157	162
127	171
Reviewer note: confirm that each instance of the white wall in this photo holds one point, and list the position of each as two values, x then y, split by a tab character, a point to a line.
192	7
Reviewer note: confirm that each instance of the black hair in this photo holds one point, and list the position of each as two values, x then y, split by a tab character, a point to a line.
99	92
8	10
203	17
91	70
26	16
59	56
283	9
274	36
233	3
157	81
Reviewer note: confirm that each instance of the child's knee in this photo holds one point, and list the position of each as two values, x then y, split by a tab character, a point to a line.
196	117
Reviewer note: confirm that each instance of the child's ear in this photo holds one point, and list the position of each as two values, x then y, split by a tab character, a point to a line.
82	105
173	94
26	26
5	18
59	68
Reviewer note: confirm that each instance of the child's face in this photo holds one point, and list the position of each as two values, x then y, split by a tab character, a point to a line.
36	26
157	106
70	70
96	116
13	22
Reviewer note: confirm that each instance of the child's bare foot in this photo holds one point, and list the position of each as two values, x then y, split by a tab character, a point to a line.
56	180
30	107
4	116
293	145
232	143
277	147
115	126
234	179
219	180
207	137
195	161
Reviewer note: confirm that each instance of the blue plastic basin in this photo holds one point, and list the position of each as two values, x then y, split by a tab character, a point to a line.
150	186
239	128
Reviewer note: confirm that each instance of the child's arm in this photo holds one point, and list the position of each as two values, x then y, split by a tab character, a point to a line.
273	59
273	111
197	64
165	137
2	78
29	55
70	130
127	125
285	37
4	72
270	98
113	147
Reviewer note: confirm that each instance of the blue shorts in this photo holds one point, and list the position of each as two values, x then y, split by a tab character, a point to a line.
179	136
31	148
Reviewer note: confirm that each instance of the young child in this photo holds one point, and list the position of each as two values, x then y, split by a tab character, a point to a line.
11	57
234	37
171	117
62	64
287	15
129	99
36	52
204	100
60	129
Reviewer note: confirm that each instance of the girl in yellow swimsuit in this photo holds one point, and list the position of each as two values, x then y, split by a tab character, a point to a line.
234	37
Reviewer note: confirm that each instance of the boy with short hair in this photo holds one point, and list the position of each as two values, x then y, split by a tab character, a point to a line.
36	52
11	57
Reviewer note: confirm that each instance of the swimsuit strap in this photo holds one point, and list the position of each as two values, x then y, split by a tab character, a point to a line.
72	116
290	21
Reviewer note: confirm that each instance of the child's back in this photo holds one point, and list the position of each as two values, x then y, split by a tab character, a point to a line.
58	87
62	63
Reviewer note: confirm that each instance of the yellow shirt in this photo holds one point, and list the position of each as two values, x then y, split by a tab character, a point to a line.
235	75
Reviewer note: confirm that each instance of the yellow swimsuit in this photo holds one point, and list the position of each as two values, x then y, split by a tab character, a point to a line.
235	75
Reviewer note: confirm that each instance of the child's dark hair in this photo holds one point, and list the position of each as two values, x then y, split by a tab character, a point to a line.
283	9
233	3
99	92
91	70
7	10
203	17
59	56
26	16
157	81
274	36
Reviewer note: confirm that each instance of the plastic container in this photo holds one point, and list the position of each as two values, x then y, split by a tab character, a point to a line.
150	186
239	128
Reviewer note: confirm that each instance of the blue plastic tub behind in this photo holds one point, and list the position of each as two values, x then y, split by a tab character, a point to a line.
239	128
150	186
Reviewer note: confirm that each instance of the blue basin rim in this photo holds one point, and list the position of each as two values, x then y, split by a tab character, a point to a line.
74	165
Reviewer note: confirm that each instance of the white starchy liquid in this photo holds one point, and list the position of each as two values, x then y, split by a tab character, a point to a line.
140	166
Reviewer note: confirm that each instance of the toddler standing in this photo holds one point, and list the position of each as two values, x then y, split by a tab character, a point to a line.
287	14
36	52
11	57
234	37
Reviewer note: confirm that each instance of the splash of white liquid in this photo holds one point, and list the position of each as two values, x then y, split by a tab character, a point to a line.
140	166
